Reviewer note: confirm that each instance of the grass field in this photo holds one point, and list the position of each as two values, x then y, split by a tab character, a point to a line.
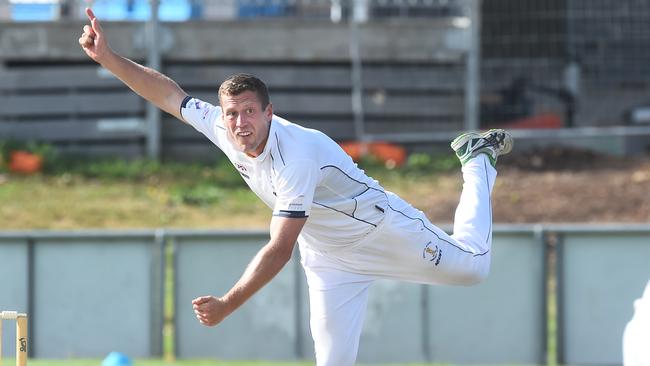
73	362
91	362
141	194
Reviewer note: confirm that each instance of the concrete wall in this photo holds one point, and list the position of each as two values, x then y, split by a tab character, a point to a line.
404	322
64	279
271	40
601	274
85	294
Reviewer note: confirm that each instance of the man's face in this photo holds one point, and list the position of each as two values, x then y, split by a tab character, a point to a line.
246	122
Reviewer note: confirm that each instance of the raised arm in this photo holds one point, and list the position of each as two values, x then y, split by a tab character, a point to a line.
150	84
265	265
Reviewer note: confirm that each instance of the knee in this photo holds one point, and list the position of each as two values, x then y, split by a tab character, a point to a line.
335	347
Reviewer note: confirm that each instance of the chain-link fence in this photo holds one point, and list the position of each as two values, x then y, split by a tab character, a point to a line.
585	60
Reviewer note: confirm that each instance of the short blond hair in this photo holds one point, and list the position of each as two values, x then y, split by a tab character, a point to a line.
239	83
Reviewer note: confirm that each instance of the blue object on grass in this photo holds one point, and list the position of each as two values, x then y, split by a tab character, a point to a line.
116	359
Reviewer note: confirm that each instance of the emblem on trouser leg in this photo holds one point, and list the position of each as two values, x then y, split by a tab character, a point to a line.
432	253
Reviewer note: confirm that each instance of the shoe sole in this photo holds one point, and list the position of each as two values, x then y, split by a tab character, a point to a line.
462	139
508	141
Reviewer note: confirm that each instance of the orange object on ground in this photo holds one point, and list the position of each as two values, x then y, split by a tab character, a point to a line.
24	162
387	153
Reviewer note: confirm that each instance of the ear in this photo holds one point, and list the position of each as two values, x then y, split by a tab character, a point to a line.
268	112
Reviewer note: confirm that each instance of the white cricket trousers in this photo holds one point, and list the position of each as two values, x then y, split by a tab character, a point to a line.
406	246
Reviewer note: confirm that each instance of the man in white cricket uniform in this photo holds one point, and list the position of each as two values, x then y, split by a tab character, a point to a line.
350	230
636	337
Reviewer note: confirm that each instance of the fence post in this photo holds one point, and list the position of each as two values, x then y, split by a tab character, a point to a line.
158	292
357	76
473	82
154	62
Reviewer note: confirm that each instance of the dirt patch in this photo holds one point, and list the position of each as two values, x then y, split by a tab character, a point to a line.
560	186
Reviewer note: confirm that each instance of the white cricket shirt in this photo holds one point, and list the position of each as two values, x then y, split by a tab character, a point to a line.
301	173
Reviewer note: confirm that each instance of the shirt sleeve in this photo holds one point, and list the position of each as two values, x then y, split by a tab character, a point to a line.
203	116
295	185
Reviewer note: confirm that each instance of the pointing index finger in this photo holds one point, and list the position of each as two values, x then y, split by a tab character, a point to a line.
90	14
94	22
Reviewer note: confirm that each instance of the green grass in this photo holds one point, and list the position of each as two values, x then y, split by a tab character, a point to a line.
85	362
73	202
198	362
143	194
